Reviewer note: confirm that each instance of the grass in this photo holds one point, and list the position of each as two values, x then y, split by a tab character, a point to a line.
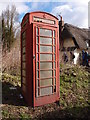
74	87
24	116
74	101
14	80
5	113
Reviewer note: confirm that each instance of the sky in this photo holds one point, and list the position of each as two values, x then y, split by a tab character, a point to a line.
74	12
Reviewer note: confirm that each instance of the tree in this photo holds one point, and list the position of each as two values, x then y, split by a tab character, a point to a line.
9	20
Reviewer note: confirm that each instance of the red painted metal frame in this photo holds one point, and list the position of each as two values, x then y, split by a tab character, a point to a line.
30	26
40	100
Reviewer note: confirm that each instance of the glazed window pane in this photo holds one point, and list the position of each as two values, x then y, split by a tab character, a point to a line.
45	32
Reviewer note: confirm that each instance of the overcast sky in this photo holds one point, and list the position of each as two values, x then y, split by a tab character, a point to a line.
73	11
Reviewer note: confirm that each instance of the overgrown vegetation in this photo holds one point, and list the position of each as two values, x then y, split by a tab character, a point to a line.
74	101
74	87
13	80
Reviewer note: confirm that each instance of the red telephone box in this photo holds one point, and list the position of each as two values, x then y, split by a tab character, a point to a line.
40	58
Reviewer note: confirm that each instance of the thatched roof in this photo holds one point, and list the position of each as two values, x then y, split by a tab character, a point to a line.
79	35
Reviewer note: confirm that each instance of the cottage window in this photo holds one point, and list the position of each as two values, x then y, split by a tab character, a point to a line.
87	43
71	48
63	49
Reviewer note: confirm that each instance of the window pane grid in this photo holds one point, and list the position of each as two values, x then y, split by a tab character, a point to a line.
53	62
46	78
45	32
45	69
46	55
45	36
45	61
39	61
45	44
